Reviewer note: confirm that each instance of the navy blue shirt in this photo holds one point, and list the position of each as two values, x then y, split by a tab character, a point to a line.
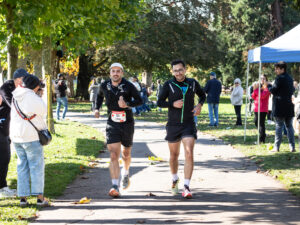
213	89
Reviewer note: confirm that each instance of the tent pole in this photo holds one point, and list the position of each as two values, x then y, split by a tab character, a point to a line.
258	113
247	84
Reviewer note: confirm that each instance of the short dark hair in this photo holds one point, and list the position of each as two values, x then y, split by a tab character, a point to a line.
281	65
177	61
265	76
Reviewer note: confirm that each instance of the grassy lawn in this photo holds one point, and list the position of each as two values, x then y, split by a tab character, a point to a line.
68	155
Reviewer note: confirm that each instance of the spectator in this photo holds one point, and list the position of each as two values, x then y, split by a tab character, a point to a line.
5	103
30	168
237	100
263	107
61	97
158	91
93	90
137	85
283	107
213	89
144	95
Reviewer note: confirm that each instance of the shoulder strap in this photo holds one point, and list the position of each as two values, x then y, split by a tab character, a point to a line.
22	115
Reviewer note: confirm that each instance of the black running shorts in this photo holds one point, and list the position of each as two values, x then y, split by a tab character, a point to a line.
119	132
176	132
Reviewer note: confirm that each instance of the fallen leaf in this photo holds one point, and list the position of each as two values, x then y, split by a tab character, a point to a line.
150	194
81	168
141	221
83	177
93	138
84	200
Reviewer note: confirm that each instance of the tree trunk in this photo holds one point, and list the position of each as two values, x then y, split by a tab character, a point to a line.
22	63
277	18
147	77
83	78
12	50
46	70
70	79
1	74
36	57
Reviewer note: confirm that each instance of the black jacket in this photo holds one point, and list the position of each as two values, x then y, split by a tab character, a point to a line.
173	93
6	92
213	88
112	94
60	90
282	91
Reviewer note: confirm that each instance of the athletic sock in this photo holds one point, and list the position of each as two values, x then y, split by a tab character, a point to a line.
187	182
124	172
175	177
115	182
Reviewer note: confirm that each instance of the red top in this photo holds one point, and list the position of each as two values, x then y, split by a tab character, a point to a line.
264	99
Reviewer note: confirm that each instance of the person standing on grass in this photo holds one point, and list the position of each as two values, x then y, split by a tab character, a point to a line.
5	106
31	166
237	100
283	107
93	90
120	96
180	92
264	102
213	89
61	96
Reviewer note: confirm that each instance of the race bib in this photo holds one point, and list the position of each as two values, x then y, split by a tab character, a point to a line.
118	116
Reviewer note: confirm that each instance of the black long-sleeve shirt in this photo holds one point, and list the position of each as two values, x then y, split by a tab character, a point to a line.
172	90
112	94
6	92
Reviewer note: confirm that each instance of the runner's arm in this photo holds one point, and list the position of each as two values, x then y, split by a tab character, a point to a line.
99	98
163	95
200	93
137	100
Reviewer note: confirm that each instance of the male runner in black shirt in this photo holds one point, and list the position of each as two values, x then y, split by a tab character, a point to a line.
180	92
120	96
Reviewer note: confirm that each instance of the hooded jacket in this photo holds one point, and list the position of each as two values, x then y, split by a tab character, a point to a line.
21	131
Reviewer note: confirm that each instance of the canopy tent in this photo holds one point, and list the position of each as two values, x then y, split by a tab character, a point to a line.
284	48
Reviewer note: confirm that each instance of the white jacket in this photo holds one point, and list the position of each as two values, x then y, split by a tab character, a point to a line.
21	130
237	96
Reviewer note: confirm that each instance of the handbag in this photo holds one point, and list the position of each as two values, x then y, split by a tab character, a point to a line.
45	136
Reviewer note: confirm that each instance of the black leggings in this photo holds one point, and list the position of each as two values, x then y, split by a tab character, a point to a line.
237	109
262	127
4	159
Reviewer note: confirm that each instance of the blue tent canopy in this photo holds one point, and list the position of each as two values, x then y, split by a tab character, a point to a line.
284	48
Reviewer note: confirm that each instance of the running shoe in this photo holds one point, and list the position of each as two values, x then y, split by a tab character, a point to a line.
186	192
175	187
23	202
125	181
114	191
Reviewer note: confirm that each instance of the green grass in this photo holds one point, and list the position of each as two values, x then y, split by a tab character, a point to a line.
70	151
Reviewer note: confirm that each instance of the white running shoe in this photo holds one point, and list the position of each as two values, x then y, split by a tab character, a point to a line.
186	192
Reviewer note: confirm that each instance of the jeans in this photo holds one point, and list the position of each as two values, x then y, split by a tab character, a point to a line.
237	109
61	101
30	167
262	127
4	159
280	122
213	108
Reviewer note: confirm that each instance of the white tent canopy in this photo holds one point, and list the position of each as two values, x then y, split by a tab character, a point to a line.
284	48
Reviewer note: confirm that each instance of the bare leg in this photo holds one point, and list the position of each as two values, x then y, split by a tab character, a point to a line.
174	153
126	156
114	167
188	144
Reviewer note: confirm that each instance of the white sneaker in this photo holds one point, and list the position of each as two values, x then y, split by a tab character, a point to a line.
6	192
269	122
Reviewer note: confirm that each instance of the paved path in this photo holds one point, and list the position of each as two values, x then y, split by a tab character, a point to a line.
225	185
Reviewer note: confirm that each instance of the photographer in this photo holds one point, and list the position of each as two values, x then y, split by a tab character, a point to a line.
61	97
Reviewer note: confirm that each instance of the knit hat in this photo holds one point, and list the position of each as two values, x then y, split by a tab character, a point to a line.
20	73
213	74
31	81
